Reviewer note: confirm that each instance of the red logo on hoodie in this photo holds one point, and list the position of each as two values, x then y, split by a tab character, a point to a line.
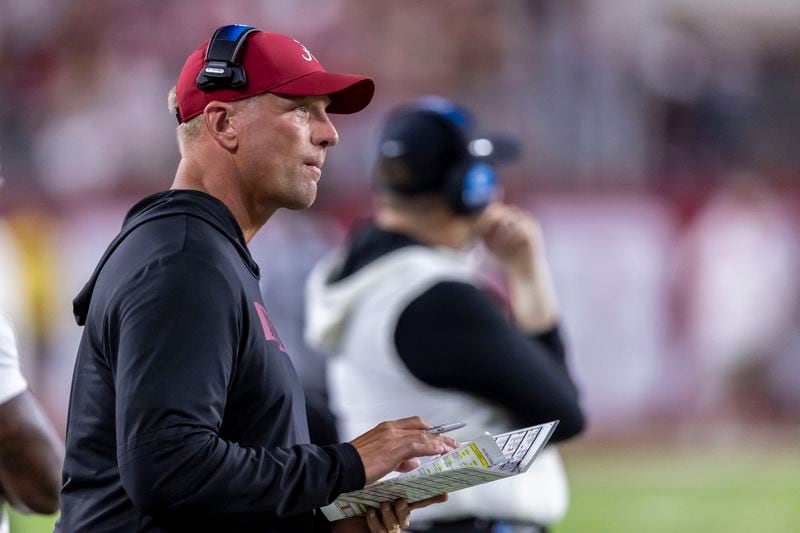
270	333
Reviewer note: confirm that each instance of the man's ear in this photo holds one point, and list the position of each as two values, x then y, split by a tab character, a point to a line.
217	118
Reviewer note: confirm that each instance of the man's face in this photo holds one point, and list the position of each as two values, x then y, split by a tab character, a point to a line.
282	148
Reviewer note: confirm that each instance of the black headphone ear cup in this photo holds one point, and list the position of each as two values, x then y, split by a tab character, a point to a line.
238	76
221	66
454	187
472	187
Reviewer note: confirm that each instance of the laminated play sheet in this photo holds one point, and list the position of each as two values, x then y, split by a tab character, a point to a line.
481	460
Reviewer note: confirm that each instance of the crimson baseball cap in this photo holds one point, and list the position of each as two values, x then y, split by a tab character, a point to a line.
274	63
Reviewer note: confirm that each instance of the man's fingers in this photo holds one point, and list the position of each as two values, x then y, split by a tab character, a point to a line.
427	437
424	448
449	442
489	219
408	465
389	519
411	422
403	512
374	523
390	444
422	443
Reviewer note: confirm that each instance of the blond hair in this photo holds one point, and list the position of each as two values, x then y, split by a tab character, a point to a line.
188	130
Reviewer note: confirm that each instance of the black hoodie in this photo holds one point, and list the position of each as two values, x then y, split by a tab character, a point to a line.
185	412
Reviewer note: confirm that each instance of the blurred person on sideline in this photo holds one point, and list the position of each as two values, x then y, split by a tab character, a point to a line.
31	453
185	411
745	236
410	330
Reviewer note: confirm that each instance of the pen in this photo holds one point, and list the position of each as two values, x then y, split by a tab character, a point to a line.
444	428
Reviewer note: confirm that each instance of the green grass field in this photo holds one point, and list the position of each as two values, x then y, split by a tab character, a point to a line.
641	489
31	524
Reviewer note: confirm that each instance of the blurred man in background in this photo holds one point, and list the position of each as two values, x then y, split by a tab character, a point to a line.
186	413
410	330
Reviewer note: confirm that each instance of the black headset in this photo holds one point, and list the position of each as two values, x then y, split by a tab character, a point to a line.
222	68
470	184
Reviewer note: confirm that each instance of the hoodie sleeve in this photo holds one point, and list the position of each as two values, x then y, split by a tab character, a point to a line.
454	336
173	333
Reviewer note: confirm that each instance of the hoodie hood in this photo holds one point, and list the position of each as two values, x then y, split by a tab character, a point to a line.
341	280
164	204
330	302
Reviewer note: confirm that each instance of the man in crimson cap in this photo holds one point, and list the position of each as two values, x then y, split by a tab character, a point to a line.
185	411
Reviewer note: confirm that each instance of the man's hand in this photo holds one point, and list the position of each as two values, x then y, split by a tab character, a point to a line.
386	519
515	239
512	236
31	456
395	445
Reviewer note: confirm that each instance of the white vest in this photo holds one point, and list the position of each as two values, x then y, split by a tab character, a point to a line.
12	382
354	320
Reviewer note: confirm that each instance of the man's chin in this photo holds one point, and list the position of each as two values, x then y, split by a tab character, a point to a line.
297	204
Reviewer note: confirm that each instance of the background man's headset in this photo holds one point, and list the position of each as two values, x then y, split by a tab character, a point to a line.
469	183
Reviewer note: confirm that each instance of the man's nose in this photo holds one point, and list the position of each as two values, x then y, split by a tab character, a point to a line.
324	133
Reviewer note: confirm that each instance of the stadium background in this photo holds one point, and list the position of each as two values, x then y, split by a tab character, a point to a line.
661	157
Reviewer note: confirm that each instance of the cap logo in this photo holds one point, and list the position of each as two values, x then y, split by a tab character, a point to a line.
306	54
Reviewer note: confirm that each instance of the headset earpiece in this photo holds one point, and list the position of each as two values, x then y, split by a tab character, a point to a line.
478	187
222	68
470	184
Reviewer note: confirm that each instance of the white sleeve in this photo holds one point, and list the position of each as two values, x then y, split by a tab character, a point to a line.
12	382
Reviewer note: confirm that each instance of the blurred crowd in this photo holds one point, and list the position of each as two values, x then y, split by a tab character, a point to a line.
659	154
